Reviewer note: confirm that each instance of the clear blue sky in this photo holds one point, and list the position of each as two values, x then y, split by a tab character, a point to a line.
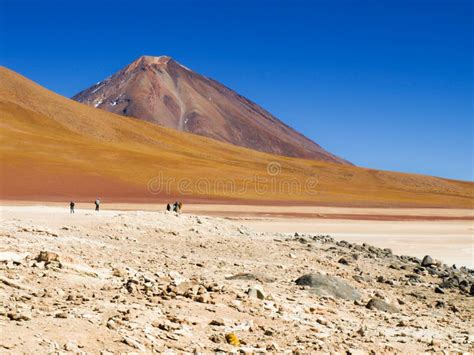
384	84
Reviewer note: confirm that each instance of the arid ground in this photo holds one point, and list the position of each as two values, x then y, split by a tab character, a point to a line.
134	278
447	234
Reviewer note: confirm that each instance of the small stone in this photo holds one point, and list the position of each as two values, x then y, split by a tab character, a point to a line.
359	278
47	257
111	324
381	305
256	292
453	308
439	290
119	272
71	346
176	277
343	261
273	348
132	342
62	315
268	332
204	298
232	339
427	261
217	322
16	316
323	321
215	338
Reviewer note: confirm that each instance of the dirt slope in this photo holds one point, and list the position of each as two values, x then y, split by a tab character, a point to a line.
53	148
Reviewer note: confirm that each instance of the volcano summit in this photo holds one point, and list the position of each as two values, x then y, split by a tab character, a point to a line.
162	91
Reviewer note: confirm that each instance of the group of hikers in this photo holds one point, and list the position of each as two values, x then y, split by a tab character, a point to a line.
72	205
175	207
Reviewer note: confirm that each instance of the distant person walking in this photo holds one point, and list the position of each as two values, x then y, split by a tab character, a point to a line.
177	207
97	204
71	206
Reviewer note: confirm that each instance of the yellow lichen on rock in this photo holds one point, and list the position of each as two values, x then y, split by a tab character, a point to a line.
232	339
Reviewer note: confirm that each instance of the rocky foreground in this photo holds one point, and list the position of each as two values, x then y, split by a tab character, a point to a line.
130	282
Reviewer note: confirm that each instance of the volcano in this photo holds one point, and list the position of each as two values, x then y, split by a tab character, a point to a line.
162	91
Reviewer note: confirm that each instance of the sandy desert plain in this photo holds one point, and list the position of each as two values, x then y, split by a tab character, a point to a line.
217	278
134	278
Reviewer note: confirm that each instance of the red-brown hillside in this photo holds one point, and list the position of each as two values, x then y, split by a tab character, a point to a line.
162	91
53	148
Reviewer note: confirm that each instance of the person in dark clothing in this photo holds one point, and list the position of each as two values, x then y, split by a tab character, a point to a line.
97	204
71	206
168	207
177	207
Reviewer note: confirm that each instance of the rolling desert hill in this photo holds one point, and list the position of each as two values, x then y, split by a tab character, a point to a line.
53	148
162	91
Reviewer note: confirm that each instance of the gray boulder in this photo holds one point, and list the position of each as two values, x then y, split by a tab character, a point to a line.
327	285
427	261
381	305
